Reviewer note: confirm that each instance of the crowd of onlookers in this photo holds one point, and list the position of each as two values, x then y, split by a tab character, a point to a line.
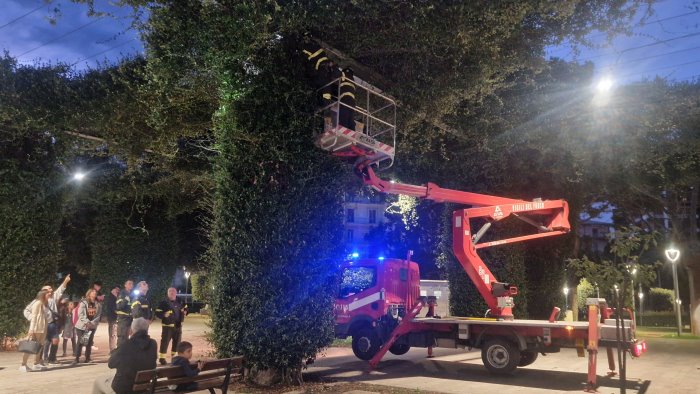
128	312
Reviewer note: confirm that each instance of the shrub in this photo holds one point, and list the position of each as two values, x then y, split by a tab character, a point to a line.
659	299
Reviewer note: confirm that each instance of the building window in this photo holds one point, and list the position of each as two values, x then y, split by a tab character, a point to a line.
349	236
595	232
372	216
350	217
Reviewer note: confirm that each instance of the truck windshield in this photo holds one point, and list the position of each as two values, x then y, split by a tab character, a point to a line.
357	279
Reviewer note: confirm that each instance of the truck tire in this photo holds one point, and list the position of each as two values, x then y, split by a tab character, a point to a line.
500	356
365	344
399	348
527	357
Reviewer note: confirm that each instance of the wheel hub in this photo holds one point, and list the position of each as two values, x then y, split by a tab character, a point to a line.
498	356
363	344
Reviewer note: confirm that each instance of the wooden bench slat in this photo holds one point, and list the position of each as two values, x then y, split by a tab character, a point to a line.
213	375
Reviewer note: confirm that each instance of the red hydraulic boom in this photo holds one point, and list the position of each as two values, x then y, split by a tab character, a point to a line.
549	217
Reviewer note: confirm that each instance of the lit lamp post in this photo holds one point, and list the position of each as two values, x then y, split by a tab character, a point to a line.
673	255
187	284
566	300
641	305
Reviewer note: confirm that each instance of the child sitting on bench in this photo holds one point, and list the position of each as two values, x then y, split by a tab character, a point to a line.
184	354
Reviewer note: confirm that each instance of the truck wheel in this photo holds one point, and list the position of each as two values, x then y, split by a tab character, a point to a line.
527	357
500	356
365	344
399	348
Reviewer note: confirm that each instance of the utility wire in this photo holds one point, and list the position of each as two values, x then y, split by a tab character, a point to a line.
101	52
61	36
640	46
642	23
27	14
655	56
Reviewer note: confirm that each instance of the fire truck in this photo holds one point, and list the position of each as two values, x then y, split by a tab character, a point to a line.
379	304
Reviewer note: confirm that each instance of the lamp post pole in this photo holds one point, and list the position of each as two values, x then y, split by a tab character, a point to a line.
672	255
566	300
641	306
187	284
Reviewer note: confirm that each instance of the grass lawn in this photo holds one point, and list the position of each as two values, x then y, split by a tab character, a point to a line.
664	332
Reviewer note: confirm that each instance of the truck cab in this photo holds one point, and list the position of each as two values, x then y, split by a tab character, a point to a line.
371	301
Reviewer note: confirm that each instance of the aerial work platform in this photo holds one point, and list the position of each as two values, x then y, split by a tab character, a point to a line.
359	121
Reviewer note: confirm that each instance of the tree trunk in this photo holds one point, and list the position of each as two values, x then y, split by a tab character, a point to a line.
694	282
693	260
577	249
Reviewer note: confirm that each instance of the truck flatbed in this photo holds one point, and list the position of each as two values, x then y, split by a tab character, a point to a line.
575	325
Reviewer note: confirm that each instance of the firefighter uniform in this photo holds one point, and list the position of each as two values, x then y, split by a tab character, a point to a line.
172	314
347	99
123	317
141	307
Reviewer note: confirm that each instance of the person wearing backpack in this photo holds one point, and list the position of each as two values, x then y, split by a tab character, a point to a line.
37	328
89	313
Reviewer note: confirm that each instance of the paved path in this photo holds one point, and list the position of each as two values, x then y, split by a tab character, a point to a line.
78	379
670	366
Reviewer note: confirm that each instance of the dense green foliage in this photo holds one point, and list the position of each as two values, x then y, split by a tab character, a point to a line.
659	300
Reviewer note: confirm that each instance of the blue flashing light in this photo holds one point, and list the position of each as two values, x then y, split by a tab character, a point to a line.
355	255
136	292
381	258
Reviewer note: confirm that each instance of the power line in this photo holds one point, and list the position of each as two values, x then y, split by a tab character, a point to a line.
28	13
661	68
101	52
642	23
61	36
659	55
641	46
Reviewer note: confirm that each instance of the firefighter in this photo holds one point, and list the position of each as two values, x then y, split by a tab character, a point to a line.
141	307
347	99
322	72
124	312
172	313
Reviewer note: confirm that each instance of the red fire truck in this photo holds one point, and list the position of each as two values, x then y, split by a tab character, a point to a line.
379	305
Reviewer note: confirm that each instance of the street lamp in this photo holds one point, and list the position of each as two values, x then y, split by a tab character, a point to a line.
641	305
673	254
187	284
633	273
78	176
566	298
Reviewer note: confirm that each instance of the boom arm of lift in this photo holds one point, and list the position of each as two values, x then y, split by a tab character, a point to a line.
549	217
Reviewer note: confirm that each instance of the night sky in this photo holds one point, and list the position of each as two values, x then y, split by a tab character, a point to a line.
669	39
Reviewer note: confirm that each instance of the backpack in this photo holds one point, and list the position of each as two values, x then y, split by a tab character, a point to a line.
28	310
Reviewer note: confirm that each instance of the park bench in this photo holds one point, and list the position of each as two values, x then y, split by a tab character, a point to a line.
215	374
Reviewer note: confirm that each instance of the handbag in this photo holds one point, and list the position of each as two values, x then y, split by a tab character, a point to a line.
29	346
85	338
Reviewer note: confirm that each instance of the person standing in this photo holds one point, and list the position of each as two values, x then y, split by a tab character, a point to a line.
88	319
123	310
69	328
110	310
52	319
37	328
172	313
141	307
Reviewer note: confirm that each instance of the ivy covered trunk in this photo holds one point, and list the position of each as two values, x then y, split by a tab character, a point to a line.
277	220
140	248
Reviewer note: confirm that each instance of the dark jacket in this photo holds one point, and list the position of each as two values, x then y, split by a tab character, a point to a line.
172	313
141	307
123	309
189	371
139	353
110	307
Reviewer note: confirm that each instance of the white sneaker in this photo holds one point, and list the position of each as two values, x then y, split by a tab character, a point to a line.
54	364
39	367
24	368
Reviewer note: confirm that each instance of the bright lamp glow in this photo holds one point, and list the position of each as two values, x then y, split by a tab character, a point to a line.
355	255
137	292
604	85
381	258
79	176
673	254
187	275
